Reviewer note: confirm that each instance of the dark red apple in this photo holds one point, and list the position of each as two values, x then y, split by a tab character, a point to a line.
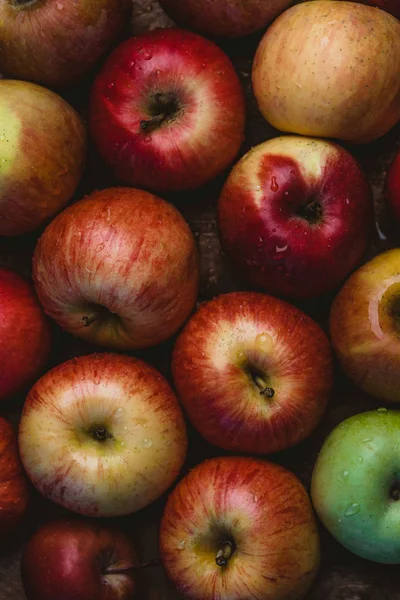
119	269
253	372
24	333
393	187
14	487
225	18
240	529
167	111
55	41
295	215
73	559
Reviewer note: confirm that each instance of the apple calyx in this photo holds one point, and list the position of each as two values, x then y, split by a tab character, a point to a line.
225	553
311	212
128	568
163	108
395	492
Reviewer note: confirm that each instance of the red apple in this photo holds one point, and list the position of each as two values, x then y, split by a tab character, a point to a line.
102	435
167	111
240	528
55	41
43	152
253	372
226	18
14	490
73	559
393	187
336	74
24	333
119	269
295	215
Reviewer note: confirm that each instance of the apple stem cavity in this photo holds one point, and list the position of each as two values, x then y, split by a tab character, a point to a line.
163	108
311	212
100	434
225	553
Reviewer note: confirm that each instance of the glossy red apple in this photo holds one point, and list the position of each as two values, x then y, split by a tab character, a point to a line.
43	153
393	187
167	111
14	487
24	333
295	215
226	18
119	269
55	41
102	435
240	528
73	559
253	372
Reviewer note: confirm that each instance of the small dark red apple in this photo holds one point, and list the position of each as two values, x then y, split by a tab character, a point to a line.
73	559
167	111
24	333
224	18
393	187
54	42
14	487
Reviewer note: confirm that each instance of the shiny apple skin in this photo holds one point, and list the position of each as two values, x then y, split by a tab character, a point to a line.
260	506
393	187
116	476
261	226
219	18
329	93
14	486
364	326
66	559
125	257
353	481
240	331
43	149
206	133
24	333
54	42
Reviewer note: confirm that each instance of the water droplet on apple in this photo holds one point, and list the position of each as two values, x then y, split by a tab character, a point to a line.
347	201
2	137
360	459
122	443
100	247
339	520
274	185
96	381
59	6
345	474
366	442
352	509
382	411
181	545
147	443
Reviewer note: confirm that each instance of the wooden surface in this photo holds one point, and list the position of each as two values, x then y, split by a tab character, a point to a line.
343	576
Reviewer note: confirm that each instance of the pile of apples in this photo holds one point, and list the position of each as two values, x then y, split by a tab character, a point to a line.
104	435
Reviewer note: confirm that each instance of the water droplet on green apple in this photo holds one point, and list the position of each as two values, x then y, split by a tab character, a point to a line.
345	474
147	443
352	509
360	459
382	410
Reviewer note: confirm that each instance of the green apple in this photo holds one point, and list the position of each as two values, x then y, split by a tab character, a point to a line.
356	485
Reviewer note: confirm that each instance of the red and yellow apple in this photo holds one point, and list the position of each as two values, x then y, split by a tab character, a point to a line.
167	111
330	69
76	559
240	528
393	187
24	333
14	486
119	269
365	326
54	42
102	435
43	152
253	372
295	215
224	18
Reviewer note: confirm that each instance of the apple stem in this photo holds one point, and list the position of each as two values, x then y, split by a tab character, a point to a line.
88	321
265	390
225	553
128	568
153	122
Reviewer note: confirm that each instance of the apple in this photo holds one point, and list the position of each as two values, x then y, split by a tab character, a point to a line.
115	432
253	372
14	487
391	6
295	215
167	111
74	559
393	187
43	153
119	269
356	486
365	326
54	42
225	18
335	75
24	332
240	528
